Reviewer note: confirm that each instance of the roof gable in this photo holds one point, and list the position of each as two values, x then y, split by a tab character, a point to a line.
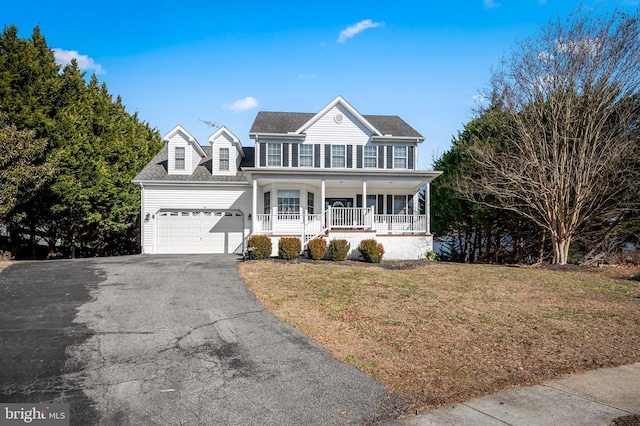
179	129
222	131
339	101
294	124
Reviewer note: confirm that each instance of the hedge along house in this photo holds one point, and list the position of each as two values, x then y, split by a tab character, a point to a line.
334	174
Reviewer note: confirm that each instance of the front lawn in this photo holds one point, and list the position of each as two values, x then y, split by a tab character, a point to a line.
444	333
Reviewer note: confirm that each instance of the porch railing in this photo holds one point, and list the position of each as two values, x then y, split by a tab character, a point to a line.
310	226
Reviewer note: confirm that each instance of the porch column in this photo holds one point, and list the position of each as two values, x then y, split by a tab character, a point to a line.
362	215
325	219
364	193
254	206
427	206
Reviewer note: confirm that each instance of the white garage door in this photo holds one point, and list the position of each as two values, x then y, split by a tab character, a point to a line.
184	231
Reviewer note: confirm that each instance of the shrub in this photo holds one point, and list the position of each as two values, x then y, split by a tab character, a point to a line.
261	246
371	251
289	248
317	248
430	255
339	249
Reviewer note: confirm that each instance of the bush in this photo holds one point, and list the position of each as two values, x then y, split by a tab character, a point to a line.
339	250
261	246
289	248
430	255
317	248
371	251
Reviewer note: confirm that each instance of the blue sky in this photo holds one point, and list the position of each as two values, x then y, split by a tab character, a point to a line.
179	62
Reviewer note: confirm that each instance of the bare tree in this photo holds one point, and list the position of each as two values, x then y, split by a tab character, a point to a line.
569	101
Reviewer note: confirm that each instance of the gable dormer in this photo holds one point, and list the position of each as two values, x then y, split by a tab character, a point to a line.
226	152
184	151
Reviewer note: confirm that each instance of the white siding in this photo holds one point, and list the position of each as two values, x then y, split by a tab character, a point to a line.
349	132
191	156
195	158
157	198
225	141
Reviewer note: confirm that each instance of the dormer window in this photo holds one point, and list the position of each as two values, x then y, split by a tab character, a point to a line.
179	158
224	159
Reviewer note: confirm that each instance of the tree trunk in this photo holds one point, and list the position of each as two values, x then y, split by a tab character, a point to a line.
560	249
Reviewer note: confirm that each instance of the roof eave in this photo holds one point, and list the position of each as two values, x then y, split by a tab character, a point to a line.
397	139
278	136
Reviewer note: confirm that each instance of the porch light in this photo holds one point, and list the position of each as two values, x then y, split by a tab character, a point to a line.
147	217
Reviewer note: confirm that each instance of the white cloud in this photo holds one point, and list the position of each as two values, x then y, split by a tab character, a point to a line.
85	63
305	76
243	104
490	4
351	31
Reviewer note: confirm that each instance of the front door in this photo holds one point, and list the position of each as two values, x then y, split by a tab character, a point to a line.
339	217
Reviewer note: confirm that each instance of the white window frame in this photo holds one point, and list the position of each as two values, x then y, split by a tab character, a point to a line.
274	155
373	159
305	159
288	202
400	161
179	159
223	159
335	155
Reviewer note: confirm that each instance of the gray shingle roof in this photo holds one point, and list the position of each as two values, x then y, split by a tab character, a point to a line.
285	122
156	170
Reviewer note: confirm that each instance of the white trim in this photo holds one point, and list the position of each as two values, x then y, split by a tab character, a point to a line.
339	100
233	137
171	133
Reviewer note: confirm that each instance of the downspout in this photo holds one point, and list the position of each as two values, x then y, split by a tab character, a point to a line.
142	219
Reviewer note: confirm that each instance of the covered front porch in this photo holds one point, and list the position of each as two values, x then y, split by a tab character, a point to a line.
311	205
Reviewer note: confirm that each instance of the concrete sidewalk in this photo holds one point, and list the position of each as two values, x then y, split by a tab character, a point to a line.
593	398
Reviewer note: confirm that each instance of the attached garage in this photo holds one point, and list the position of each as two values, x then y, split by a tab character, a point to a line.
199	231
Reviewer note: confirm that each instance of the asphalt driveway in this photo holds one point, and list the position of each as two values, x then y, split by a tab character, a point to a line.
168	340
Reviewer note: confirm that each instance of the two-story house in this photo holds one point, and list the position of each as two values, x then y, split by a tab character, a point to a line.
334	174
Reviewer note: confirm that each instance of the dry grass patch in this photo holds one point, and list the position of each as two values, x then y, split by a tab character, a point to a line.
444	333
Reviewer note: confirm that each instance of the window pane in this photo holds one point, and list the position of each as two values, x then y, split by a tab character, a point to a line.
224	158
179	158
274	155
288	202
310	202
306	156
400	157
370	156
338	156
399	204
267	203
371	200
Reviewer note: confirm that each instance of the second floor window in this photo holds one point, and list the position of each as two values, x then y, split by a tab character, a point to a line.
179	158
400	157
224	159
338	158
306	156
274	155
370	156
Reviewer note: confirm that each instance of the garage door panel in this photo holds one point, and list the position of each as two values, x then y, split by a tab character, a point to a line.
199	232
